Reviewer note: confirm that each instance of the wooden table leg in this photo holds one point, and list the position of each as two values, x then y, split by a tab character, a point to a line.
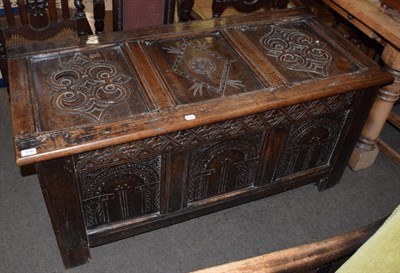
366	149
57	179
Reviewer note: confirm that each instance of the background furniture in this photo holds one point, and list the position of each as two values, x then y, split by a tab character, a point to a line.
127	15
38	21
373	248
217	7
381	252
324	256
383	27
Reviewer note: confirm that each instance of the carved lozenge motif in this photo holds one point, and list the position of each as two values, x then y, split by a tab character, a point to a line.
204	67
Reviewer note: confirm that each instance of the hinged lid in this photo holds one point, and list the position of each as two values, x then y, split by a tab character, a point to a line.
135	85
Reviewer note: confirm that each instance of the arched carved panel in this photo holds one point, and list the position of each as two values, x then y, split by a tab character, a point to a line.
224	167
310	144
120	192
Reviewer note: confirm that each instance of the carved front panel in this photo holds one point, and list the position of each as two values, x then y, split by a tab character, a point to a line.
85	87
186	139
121	182
310	144
224	167
298	51
201	68
120	192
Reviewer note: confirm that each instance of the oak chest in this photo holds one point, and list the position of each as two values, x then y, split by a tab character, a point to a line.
137	130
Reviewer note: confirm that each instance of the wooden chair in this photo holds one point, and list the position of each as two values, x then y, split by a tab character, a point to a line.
37	21
219	6
133	14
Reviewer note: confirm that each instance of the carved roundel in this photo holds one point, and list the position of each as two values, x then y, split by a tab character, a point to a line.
202	65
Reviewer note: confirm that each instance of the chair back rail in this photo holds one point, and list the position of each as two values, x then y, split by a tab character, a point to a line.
37	21
132	14
219	6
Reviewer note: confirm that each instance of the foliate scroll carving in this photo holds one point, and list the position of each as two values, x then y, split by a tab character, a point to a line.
205	134
311	144
223	167
297	50
197	63
89	87
120	192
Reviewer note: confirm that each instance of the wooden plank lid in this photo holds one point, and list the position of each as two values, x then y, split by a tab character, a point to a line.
140	84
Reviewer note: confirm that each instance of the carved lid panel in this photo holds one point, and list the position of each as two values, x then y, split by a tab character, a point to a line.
122	87
298	50
200	68
85	87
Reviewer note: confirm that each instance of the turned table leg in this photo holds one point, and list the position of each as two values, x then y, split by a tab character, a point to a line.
57	180
366	149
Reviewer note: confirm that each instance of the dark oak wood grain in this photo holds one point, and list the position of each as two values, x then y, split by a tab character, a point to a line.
61	196
160	125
